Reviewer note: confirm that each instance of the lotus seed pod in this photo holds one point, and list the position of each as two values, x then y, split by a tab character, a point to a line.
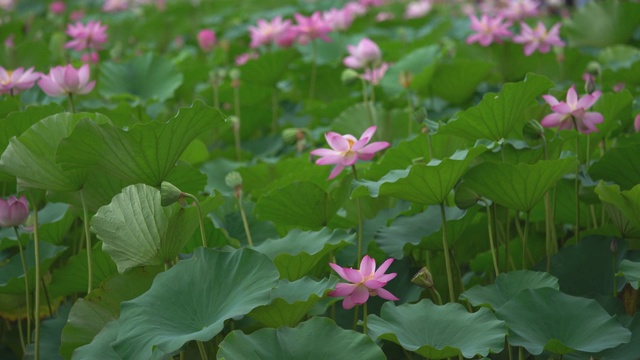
532	130
349	77
169	193
423	278
233	179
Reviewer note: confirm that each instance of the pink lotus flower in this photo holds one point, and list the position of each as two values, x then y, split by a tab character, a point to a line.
636	123
365	54
338	20
574	109
356	8
365	282
278	31
115	5
417	9
519	9
65	80
539	38
346	150
90	36
206	40
16	81
384	16
243	58
374	76
309	28
488	30
91	57
13	211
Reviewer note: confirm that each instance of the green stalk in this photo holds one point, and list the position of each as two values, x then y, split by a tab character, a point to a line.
245	222
525	237
274	111
36	306
22	344
410	110
364	318
577	182
203	352
494	256
360	221
236	127
447	260
368	105
200	219
26	286
314	71
615	279
87	235
71	105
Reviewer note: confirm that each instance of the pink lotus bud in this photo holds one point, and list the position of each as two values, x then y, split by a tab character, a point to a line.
13	211
636	123
91	57
206	40
57	7
365	54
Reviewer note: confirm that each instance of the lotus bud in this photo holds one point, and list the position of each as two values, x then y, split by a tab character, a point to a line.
423	278
290	135
465	197
234	181
406	77
349	77
614	246
594	68
533	130
170	194
234	74
13	211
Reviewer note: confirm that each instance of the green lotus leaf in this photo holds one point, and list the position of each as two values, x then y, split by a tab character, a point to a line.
628	202
302	204
428	184
145	153
616	165
318	338
192	300
147	77
591	25
547	319
291	301
49	336
629	350
497	115
269	68
519	186
439	332
91	314
137	230
631	271
100	347
299	251
507	286
31	156
12	274
419	60
72	277
456	81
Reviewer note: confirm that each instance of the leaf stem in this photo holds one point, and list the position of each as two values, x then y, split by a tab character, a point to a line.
36	306
200	219
447	260
203	352
87	235
26	286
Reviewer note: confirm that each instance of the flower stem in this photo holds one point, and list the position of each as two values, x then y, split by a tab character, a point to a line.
36	306
360	221
200	220
410	110
87	236
314	71
577	182
615	279
364	318
491	241
274	111
366	102
26	286
71	105
22	344
447	260
436	295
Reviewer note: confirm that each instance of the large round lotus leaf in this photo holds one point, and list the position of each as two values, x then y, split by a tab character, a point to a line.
507	286
547	319
192	300
439	332
631	271
318	338
100	347
137	230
